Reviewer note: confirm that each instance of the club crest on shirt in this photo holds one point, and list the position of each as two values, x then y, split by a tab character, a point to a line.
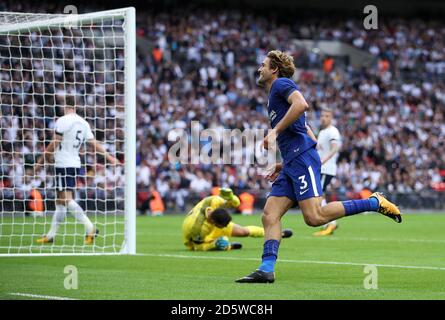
272	115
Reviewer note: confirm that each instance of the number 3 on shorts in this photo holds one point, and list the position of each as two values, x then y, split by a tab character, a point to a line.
303	182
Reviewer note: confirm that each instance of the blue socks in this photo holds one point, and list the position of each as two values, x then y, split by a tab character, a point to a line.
358	206
270	253
270	249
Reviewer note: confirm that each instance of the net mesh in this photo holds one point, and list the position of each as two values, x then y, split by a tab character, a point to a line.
42	61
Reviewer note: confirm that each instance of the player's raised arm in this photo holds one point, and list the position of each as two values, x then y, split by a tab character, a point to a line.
101	150
49	150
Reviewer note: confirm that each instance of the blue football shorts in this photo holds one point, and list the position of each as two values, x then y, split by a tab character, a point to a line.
300	178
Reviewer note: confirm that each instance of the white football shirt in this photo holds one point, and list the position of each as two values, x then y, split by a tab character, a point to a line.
74	130
325	137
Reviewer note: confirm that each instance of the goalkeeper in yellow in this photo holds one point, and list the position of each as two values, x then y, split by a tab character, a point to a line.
209	225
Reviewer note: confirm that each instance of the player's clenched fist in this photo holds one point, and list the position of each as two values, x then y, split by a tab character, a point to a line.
272	171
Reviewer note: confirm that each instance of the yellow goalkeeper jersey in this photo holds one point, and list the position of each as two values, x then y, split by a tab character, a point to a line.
198	233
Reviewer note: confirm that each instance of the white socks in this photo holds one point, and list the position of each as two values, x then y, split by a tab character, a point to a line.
80	216
76	211
332	223
58	218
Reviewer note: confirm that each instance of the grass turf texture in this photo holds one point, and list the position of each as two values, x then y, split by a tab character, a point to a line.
305	270
19	234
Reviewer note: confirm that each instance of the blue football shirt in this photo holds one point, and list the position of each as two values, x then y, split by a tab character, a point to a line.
294	140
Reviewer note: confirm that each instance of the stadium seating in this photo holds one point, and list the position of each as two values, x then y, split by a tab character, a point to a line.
202	67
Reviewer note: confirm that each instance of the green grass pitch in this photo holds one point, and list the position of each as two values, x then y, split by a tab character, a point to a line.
409	258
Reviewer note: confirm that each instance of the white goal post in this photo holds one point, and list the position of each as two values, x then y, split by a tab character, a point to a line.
47	60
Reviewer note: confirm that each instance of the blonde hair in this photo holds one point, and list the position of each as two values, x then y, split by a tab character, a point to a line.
283	61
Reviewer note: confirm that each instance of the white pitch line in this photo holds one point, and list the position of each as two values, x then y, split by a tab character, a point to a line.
39	255
292	261
334	238
373	239
38	296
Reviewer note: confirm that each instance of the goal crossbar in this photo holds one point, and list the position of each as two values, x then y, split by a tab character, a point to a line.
63	19
128	15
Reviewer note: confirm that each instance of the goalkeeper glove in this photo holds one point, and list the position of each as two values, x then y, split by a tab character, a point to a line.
222	243
226	193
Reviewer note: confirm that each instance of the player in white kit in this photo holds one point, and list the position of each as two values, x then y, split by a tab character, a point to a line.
329	142
71	132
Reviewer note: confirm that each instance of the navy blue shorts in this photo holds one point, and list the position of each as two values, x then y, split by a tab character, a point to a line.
300	179
66	178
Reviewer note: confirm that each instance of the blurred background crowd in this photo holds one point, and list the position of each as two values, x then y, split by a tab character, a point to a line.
38	69
390	115
201	66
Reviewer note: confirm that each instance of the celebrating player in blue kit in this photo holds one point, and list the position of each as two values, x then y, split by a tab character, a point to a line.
297	179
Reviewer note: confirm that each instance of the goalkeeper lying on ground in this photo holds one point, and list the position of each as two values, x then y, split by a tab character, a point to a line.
208	225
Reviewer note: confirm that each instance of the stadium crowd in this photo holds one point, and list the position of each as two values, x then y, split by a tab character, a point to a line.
201	66
38	71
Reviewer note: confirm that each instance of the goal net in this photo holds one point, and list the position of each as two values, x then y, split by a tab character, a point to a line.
44	58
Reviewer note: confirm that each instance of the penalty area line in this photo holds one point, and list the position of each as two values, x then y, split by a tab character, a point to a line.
38	296
291	261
